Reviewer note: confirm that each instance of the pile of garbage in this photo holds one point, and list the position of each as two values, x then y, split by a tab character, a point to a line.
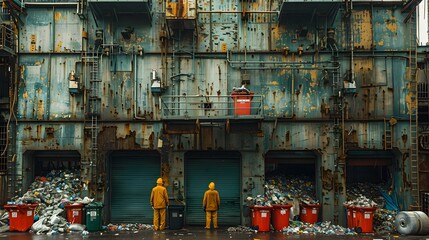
3	219
54	188
370	190
375	195
361	201
384	221
52	193
284	190
326	227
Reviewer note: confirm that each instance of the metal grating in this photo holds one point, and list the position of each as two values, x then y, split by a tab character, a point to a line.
423	91
425	202
3	142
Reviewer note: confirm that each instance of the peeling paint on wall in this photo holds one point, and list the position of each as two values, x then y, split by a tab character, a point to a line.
362	29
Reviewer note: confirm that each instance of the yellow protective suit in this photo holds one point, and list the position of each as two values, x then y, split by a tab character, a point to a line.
159	203
211	204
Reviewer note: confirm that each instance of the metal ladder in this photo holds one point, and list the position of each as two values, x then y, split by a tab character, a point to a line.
94	108
387	135
413	113
337	96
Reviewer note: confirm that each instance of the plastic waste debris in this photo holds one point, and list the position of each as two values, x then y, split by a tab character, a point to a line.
52	192
361	201
284	190
241	228
129	227
326	227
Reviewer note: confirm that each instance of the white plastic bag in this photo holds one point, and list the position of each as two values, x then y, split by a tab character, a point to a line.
39	226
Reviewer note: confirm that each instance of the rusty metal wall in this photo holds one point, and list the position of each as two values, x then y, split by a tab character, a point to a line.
229	44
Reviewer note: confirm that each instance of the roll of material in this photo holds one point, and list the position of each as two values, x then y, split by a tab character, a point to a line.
412	223
424	223
407	223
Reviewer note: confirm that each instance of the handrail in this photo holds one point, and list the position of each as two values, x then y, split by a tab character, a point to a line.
241	106
7	37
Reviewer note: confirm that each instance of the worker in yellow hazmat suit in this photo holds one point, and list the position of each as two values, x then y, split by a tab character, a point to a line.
159	202
211	204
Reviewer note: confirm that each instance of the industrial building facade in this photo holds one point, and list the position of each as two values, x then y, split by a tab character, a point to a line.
197	91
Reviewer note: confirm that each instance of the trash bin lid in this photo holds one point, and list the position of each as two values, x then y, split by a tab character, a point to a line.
74	205
13	206
282	206
176	207
95	205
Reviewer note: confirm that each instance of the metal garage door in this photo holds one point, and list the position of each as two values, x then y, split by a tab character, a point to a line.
133	175
224	169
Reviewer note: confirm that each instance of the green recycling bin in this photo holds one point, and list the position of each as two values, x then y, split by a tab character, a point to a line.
93	216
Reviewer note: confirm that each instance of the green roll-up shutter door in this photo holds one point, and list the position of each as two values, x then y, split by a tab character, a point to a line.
132	178
223	168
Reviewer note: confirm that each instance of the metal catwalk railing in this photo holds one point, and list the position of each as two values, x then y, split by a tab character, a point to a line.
7	37
212	107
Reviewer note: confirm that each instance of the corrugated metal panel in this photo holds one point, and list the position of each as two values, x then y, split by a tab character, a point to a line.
223	168
181	9
133	175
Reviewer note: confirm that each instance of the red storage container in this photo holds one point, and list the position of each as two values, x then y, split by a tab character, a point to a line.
261	216
363	219
280	216
242	102
21	216
309	213
75	213
350	216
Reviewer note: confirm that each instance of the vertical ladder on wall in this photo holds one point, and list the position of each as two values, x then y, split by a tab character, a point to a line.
94	139
95	105
94	108
337	95
413	112
387	135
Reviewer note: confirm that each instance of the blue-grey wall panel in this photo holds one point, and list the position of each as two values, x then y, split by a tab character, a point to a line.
133	175
222	168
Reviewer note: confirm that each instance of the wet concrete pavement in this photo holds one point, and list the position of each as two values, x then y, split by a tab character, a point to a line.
196	233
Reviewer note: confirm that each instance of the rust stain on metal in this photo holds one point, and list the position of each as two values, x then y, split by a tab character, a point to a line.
405	182
38	131
298	91
57	16
127	129
40	109
327	179
313	80
362	29
391	24
404	137
49	132
324	108
219	70
165	172
58	47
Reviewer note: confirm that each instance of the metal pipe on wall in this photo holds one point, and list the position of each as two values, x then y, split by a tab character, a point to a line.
48	93
135	58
